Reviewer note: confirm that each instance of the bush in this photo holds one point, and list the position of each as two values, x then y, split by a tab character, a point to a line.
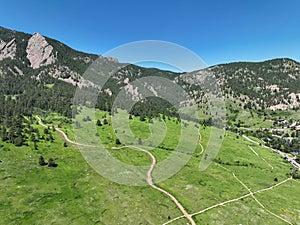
140	142
105	122
42	161
51	163
99	124
118	142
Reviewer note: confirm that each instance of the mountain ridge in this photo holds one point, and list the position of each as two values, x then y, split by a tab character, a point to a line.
271	84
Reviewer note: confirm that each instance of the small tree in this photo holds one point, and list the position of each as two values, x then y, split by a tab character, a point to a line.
65	144
98	123
118	142
51	163
51	138
18	141
46	131
42	161
4	135
142	118
105	122
140	142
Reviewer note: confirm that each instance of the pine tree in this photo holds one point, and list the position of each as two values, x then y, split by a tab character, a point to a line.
99	124
42	161
51	163
105	122
4	135
118	142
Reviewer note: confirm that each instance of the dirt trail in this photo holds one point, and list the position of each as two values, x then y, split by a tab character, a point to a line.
63	134
282	154
258	202
260	157
199	142
151	183
235	200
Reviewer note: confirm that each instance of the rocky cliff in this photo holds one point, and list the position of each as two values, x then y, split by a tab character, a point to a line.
39	52
8	50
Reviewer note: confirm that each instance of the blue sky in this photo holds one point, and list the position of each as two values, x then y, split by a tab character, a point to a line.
219	31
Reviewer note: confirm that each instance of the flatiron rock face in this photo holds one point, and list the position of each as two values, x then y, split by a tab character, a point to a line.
39	52
8	50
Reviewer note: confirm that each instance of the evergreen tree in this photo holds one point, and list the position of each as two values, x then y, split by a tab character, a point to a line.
42	161
98	123
105	122
51	163
118	142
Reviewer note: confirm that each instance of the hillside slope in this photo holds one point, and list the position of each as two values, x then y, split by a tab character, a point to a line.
272	84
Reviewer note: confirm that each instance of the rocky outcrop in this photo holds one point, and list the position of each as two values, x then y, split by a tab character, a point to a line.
8	50
65	74
39	52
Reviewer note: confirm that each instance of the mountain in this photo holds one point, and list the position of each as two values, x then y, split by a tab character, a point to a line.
35	55
273	84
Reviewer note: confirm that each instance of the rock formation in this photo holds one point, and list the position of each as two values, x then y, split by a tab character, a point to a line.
8	50
39	52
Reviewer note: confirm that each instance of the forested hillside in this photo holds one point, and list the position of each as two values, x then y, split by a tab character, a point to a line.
41	74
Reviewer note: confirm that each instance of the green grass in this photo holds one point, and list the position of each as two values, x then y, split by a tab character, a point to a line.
49	85
253	121
280	202
131	157
245	211
73	193
198	190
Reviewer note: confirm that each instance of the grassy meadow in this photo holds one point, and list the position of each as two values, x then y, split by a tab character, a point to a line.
73	193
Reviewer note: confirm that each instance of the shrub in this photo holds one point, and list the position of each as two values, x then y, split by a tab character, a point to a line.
42	161
51	163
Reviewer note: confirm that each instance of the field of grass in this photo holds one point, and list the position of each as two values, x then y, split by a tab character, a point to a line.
245	211
73	193
253	121
279	201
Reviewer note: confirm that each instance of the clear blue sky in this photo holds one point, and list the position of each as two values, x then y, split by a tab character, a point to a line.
218	31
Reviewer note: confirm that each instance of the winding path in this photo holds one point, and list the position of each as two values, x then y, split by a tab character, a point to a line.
199	142
149	173
63	134
151	183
